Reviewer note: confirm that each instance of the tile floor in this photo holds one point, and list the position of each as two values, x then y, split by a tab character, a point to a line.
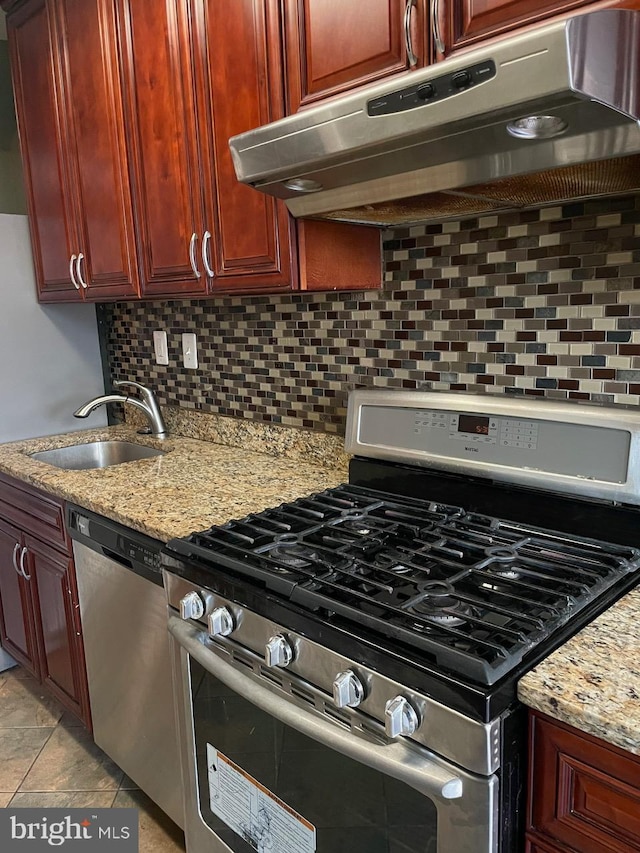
47	759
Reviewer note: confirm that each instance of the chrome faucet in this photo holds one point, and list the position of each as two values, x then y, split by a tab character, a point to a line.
148	404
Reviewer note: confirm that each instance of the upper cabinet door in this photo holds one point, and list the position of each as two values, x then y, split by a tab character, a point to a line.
239	66
52	217
91	69
469	21
162	114
334	46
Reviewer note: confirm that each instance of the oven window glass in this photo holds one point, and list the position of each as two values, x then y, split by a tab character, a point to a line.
353	808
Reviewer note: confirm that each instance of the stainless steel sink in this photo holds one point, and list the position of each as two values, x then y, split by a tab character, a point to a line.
97	454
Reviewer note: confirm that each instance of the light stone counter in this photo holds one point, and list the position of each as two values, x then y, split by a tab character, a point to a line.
195	483
593	681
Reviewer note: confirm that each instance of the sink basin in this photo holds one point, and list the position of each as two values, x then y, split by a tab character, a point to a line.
98	454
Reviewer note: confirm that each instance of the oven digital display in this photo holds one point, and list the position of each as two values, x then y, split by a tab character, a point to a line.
473	424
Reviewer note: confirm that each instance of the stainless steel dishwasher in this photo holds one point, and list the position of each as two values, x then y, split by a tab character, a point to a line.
124	621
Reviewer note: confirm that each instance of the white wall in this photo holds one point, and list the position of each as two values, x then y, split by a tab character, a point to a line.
49	356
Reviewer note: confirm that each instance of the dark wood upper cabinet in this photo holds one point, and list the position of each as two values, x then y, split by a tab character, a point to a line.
90	65
54	234
239	66
466	22
196	72
160	92
333	47
66	79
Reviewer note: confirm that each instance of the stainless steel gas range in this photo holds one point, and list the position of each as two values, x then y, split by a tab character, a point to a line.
347	663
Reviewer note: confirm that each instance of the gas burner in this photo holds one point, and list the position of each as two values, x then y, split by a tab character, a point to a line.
438	603
357	524
498	560
291	555
391	561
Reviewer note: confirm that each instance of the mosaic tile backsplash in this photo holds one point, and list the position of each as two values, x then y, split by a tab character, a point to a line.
542	302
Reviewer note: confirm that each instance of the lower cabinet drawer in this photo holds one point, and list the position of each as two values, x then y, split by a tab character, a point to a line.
40	514
585	794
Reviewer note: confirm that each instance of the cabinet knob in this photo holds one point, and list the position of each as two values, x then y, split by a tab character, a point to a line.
348	691
191	606
400	717
221	622
278	651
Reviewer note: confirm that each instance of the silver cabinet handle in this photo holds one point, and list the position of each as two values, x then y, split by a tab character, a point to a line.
192	255
413	59
205	254
72	275
23	571
16	548
79	271
421	770
434	6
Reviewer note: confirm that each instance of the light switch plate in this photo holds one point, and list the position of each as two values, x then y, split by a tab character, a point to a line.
190	351
160	347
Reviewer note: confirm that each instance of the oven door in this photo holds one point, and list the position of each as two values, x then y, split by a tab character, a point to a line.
275	768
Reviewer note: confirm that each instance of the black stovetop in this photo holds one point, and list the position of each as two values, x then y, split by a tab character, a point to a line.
467	597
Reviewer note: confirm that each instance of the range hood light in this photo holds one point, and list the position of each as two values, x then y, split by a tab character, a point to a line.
303	185
537	127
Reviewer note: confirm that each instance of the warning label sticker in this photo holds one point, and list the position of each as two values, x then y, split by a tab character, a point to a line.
252	811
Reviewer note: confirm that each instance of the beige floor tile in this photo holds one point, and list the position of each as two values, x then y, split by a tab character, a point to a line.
19	748
63	800
72	762
158	834
4	800
18	672
24	703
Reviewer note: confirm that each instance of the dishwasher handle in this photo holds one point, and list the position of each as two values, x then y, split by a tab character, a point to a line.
422	771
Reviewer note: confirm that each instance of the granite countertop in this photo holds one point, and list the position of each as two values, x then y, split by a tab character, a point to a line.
193	485
592	682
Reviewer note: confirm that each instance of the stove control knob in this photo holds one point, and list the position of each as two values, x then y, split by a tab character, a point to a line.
348	691
191	606
278	651
400	717
221	622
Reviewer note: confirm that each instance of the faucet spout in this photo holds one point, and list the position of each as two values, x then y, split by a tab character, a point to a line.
148	405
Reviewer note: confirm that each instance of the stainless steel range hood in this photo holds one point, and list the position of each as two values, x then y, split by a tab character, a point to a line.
549	115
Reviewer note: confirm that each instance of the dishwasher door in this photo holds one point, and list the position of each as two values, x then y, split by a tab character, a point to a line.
124	624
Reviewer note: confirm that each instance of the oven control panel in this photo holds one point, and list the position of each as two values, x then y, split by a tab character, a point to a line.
480	429
563	445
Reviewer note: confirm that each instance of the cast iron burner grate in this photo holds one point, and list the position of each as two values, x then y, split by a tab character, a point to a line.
474	593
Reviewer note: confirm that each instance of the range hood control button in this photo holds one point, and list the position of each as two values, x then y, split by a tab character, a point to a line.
348	691
278	651
221	622
426	91
191	606
461	80
400	717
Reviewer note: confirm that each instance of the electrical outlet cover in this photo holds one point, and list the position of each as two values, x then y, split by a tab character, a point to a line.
190	351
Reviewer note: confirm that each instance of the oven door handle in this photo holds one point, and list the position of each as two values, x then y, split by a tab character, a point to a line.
422	771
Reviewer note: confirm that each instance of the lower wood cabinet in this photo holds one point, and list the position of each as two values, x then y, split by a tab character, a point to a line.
39	612
584	794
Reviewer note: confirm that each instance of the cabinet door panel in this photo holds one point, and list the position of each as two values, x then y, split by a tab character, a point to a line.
51	216
59	631
251	241
585	793
161	110
332	47
96	123
16	611
472	20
